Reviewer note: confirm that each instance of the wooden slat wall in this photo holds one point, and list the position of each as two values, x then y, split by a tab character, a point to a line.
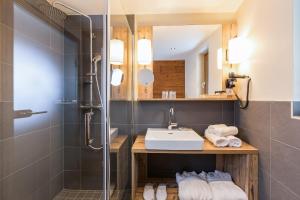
169	76
228	31
142	91
121	92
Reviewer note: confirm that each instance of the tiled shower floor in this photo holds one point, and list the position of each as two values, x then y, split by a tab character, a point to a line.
67	194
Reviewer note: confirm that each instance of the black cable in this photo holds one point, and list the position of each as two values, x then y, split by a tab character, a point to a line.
247	97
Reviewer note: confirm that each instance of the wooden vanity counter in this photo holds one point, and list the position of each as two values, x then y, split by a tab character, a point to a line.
241	163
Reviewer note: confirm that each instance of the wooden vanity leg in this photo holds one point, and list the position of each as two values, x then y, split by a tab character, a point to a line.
134	167
253	177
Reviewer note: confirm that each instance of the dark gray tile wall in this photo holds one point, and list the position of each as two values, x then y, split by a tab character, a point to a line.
31	149
269	127
82	165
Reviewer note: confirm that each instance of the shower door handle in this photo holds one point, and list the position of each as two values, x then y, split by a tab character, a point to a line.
27	113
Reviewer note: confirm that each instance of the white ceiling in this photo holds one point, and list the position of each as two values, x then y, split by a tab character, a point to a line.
173	42
156	6
180	6
89	7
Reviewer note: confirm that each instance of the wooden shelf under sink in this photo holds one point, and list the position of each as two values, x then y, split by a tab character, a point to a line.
241	163
172	193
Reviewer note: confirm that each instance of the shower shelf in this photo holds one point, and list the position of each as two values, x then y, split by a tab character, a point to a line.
241	163
64	102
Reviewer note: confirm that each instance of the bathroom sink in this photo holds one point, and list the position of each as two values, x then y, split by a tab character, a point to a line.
178	139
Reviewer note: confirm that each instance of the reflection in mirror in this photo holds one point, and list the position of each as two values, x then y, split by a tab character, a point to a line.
145	77
120	58
187	59
116	77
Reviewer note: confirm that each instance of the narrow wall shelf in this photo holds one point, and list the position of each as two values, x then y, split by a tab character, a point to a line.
202	98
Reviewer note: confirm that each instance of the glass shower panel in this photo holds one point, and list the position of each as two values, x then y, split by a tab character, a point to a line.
121	106
50	79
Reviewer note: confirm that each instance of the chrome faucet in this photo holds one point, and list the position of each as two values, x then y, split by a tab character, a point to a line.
172	123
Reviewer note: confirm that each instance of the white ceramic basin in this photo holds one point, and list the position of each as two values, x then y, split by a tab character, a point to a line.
178	139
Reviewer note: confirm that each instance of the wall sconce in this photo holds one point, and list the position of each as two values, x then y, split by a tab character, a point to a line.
238	50
144	52
116	52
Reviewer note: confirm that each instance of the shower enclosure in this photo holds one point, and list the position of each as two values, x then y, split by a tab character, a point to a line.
65	131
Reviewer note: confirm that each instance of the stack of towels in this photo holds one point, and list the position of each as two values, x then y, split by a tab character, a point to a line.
193	186
222	135
208	186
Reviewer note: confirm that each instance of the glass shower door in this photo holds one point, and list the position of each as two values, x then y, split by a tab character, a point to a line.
50	65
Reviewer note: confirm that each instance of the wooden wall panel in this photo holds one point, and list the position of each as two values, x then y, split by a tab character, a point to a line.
122	92
142	91
228	31
169	76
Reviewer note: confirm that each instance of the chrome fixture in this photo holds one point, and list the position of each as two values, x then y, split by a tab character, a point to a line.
27	113
172	123
92	74
87	130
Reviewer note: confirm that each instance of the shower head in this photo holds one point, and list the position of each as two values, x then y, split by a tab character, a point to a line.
97	58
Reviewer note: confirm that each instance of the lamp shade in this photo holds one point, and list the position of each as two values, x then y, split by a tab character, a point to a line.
116	52
144	52
238	50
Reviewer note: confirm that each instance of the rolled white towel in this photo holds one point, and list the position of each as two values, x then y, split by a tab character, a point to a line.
222	130
216	140
148	192
194	188
161	192
226	190
234	141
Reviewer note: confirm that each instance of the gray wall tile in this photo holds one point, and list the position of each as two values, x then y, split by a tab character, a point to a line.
56	138
72	134
285	162
280	192
264	185
56	185
21	151
72	158
56	163
72	179
283	127
269	127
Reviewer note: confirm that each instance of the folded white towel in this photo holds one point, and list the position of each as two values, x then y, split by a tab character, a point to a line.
216	140
222	130
226	190
148	192
234	141
161	192
194	188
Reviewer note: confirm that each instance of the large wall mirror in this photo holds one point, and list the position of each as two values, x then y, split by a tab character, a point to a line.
182	61
185	60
